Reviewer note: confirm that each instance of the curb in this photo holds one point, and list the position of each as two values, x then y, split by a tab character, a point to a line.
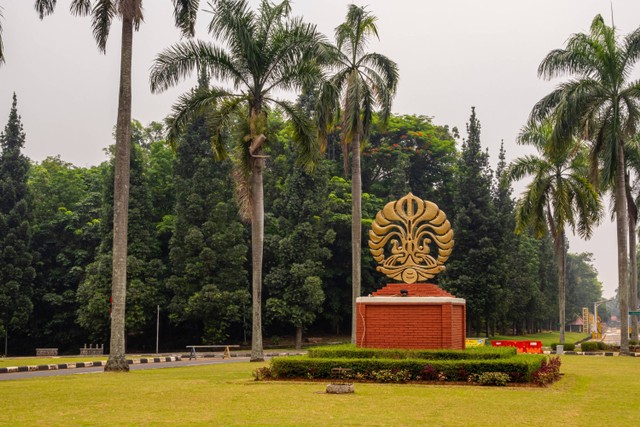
54	367
594	353
245	354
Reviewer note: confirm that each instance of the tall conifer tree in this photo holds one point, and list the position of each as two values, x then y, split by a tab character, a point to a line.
472	272
16	270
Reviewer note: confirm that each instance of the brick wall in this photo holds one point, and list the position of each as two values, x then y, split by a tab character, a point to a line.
404	323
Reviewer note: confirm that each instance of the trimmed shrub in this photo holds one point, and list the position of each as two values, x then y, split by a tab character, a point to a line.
390	376
493	378
548	373
519	368
593	346
567	346
262	373
350	351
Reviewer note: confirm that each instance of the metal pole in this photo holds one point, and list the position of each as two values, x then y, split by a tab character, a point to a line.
157	329
6	341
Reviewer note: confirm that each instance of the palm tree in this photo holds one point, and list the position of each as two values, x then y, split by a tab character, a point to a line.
600	105
260	53
130	12
560	195
632	158
361	81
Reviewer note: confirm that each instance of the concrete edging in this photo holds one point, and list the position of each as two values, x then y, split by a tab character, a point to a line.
54	367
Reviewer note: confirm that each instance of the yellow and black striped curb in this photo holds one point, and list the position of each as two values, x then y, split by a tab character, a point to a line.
54	367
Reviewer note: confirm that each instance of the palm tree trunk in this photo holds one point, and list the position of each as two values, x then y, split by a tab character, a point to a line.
117	360
257	244
356	229
621	234
632	211
561	265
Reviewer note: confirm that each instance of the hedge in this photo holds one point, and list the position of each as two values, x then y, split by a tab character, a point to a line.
593	346
520	368
349	351
567	346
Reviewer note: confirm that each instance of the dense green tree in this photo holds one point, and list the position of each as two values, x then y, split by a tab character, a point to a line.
66	206
146	269
16	269
360	82
600	105
208	252
559	196
472	272
261	53
130	12
410	154
297	242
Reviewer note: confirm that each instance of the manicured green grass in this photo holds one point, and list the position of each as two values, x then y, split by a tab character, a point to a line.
595	391
29	361
547	338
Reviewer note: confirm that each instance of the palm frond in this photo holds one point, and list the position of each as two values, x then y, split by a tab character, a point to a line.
80	7
1	46
101	18
234	24
184	14
191	106
306	142
45	7
176	63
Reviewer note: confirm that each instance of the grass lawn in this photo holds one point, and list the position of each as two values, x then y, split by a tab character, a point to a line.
547	338
595	391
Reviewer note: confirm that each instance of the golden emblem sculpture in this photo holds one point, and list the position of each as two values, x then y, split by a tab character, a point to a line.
414	227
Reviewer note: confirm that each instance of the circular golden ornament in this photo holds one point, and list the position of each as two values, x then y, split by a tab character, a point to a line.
412	227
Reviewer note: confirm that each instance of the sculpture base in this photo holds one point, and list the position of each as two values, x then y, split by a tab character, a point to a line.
426	318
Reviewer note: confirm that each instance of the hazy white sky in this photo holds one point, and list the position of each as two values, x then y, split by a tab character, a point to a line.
452	55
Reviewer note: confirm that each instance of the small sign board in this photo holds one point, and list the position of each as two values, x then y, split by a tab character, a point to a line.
634	313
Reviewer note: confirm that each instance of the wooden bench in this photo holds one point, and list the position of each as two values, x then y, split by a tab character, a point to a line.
46	352
226	355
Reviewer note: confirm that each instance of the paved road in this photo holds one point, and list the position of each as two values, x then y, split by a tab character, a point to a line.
100	369
612	336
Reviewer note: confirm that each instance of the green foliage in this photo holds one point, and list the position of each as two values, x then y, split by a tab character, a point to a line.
297	245
350	351
146	262
593	346
493	378
549	371
566	346
66	203
472	272
390	376
519	368
410	154
208	285
16	258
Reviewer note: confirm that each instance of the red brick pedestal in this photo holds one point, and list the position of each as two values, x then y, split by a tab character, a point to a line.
426	318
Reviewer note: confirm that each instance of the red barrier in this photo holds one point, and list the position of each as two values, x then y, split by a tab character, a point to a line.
521	346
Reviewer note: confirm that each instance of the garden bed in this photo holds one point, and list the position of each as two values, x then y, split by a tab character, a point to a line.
489	366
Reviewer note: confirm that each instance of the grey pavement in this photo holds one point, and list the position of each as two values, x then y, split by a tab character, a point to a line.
612	336
136	367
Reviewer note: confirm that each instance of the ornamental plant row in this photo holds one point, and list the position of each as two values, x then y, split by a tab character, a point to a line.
519	368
